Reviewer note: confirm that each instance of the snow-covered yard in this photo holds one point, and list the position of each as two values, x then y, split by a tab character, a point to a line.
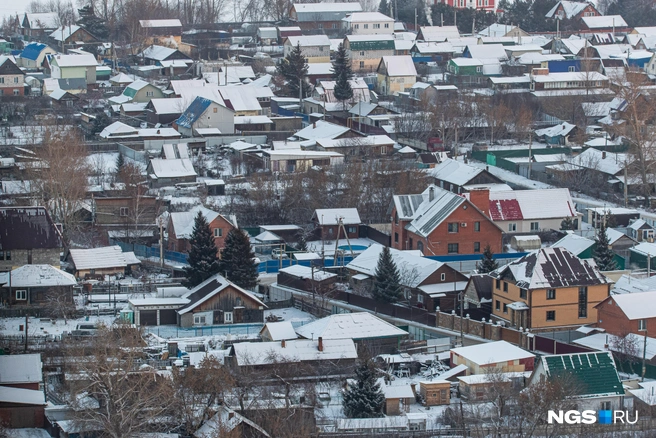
46	326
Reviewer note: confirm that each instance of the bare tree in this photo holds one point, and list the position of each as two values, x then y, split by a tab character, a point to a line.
60	304
626	349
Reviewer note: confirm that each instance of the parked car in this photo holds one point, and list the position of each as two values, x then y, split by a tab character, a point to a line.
278	253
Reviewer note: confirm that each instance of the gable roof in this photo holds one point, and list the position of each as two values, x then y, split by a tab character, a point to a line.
309	41
358	325
413	269
8	67
492	352
439	33
193	112
40	276
173	22
183	221
486	51
455	172
103	257
561	129
297	350
280	330
45	20
551	268
401	65
570	9
639	305
177	168
240	98
531	204
324	11
594	373
81	60
62	33
210	288
361	17
331	216
430	214
27	228
604	21
321	129
158	53
574	243
32	51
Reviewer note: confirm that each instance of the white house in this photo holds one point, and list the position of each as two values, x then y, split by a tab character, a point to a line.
316	48
363	23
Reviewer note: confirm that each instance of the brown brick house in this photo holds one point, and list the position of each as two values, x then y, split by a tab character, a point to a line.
12	79
181	225
628	313
546	289
439	222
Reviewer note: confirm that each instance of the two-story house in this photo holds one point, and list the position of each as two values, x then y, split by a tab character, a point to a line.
12	78
74	67
368	23
72	34
181	224
35	25
569	10
455	175
483	5
205	113
548	288
395	74
331	220
34	55
438	222
326	17
29	236
622	314
365	51
316	48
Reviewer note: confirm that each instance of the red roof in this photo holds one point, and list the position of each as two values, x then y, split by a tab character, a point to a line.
505	210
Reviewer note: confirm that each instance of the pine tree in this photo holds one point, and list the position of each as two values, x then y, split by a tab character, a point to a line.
203	260
387	287
487	263
294	68
567	224
92	23
342	74
364	398
603	254
384	7
301	243
120	161
237	260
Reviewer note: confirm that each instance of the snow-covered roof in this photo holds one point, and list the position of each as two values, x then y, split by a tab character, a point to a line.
487	51
309	40
183	221
384	423
268	236
226	420
414	270
301	271
327	7
104	257
574	243
42	20
21	368
439	33
306	256
118	129
399	65
212	287
359	325
173	22
639	223
551	268
590	76
429	47
158	301
397	390
321	129
645	248
253	120
604	22
570	9
492	352
497	30
561	129
363	17
81	60
22	396
296	350
537	58
62	33
280	330
640	305
177	168
40	276
240	98
610	163
331	216
608	342
455	172
531	204
370	140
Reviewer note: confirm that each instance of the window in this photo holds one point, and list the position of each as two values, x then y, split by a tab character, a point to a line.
386	25
420	298
606	406
477	226
452	248
642	325
8	255
396	217
410	243
376	25
356	26
334	25
551	294
218	232
227	317
215	110
396	237
150	93
2	80
442	276
352	230
512	227
199	319
497	305
453	227
17	93
523	294
320	26
479	69
505	308
21	295
498	285
571	69
15	80
366	26
551	315
477	246
535	226
420	246
124	211
583	302
505	286
321	49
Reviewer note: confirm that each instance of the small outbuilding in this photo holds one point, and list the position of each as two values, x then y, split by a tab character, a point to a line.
526	243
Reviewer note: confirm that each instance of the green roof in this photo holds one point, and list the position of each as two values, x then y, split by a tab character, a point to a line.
372	45
595	372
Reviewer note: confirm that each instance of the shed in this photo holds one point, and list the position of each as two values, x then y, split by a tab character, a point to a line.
305	278
278	331
501	354
435	392
398	398
526	243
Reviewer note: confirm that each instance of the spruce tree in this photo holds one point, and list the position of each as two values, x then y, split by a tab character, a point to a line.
364	398
237	260
120	161
294	68
603	254
487	263
387	287
203	260
384	7
342	74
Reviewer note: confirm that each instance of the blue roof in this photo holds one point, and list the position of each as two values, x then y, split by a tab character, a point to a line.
32	51
193	112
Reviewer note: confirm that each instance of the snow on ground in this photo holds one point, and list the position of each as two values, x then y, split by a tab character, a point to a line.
44	326
103	162
290	314
358	245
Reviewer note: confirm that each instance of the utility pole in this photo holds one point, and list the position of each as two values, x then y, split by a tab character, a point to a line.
644	355
161	244
27	318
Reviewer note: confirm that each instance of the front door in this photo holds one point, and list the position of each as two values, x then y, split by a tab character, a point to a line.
227	317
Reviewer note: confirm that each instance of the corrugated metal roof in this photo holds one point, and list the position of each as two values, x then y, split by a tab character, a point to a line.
193	112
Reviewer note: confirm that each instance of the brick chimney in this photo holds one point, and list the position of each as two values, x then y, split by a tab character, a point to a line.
431	193
481	199
320	343
282	343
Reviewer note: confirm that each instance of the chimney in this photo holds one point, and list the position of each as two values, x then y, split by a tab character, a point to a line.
282	343
320	343
481	199
231	415
431	193
603	155
314	125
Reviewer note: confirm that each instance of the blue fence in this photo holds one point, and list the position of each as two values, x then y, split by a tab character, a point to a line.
147	251
172	331
290	113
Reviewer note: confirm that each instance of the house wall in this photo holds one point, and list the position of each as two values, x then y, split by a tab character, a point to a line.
11	84
184	245
143	94
371	27
565	305
217	116
40	256
368	60
244	308
329	232
312	53
435	394
479	391
511	366
36	296
69	72
108	210
611	318
83	273
21	416
524	226
390	85
438	241
488	5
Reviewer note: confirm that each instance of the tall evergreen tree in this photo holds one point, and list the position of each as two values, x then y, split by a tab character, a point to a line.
384	7
120	161
203	260
364	398
294	68
487	263
603	255
342	73
387	287
237	260
92	23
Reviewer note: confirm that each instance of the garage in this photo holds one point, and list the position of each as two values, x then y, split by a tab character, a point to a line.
168	317
148	317
149	309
